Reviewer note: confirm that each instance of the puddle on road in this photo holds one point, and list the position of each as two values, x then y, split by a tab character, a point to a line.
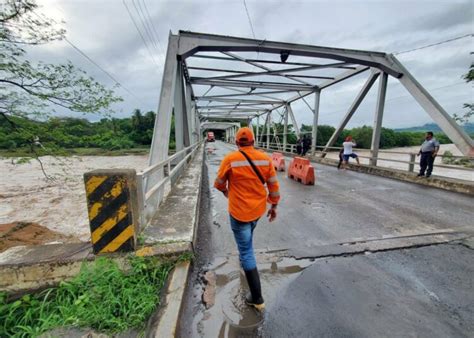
230	316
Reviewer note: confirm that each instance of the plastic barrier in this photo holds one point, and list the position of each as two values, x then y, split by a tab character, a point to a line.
301	170
278	161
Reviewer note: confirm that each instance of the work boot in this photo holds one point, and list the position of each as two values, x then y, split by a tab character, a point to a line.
255	298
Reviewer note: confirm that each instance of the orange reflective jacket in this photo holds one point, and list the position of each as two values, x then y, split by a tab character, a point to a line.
247	194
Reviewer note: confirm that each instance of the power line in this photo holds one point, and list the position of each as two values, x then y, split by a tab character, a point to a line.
154	28
435	44
144	23
250	20
139	32
98	66
117	82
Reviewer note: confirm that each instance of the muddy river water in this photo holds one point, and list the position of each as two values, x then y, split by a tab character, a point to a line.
58	204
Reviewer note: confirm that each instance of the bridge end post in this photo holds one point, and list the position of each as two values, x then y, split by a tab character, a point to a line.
112	205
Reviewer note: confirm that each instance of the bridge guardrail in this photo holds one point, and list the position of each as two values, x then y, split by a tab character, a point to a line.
171	166
411	162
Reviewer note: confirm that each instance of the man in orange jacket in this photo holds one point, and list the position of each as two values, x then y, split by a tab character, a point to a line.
242	177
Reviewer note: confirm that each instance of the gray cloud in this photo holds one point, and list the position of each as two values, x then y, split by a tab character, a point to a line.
105	32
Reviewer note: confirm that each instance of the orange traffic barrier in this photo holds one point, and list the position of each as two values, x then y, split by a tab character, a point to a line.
278	161
301	170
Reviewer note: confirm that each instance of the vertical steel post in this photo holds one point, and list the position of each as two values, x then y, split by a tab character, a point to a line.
161	132
258	127
179	110
285	130
190	114
314	133
269	117
374	148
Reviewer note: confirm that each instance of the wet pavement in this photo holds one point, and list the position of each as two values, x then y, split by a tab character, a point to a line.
322	296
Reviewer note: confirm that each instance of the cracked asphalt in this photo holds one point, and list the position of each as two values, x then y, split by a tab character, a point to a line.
422	286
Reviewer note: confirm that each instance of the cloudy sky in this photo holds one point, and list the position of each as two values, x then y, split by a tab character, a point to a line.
106	33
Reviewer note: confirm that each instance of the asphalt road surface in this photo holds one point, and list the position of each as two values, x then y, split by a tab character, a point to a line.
416	290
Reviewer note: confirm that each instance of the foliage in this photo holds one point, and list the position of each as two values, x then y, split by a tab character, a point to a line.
57	133
33	90
448	158
389	138
467	115
102	297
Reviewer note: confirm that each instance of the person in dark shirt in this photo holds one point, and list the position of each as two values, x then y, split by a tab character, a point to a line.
341	158
306	144
299	147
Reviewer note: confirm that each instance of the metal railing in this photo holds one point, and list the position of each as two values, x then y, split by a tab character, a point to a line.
410	162
167	172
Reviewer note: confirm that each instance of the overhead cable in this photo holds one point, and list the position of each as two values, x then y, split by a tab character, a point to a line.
145	25
154	28
140	33
81	52
250	20
435	44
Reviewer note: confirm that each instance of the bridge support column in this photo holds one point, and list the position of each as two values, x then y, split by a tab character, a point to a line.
374	148
257	130
317	95
285	129
269	119
161	132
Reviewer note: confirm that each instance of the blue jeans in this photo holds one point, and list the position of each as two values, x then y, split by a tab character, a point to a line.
243	234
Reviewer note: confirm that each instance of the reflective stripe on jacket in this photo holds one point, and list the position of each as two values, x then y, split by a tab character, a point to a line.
247	194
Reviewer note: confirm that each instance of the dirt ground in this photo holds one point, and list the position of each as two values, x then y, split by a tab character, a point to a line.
20	233
58	204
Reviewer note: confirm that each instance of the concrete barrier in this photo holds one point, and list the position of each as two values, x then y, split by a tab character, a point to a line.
112	207
278	161
301	170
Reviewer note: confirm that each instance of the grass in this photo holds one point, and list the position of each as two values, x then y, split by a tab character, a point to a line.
102	297
26	152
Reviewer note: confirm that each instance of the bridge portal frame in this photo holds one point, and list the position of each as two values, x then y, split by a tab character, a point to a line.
249	94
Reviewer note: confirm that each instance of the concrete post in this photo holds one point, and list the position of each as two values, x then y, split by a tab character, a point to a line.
314	135
113	209
285	130
411	165
374	148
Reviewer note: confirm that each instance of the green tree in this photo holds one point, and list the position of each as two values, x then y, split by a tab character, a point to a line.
33	90
469	113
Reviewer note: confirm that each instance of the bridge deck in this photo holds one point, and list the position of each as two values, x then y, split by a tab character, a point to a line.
345	206
417	291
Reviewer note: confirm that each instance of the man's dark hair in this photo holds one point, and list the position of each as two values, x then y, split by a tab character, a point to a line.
430	133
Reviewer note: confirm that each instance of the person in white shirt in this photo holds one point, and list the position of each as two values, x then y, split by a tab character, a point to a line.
348	144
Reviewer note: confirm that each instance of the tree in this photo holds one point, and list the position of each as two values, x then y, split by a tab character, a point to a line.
463	119
33	90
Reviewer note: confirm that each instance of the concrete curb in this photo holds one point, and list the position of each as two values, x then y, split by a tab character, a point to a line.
164	322
450	184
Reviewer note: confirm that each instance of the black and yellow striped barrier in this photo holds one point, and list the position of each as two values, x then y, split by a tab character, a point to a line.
113	209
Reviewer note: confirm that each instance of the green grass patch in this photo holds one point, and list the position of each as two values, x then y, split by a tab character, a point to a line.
103	297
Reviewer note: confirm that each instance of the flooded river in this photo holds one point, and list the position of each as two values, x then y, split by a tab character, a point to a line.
58	204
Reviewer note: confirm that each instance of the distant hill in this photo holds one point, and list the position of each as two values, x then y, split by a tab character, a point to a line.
468	127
